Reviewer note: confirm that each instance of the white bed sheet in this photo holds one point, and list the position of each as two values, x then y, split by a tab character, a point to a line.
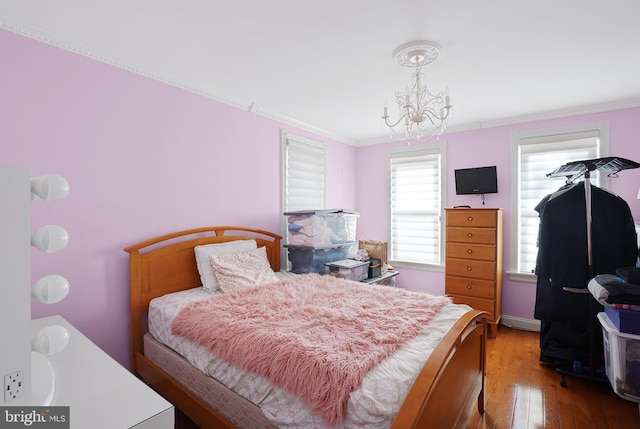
372	405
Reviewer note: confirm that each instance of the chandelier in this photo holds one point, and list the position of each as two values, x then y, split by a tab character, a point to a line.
422	113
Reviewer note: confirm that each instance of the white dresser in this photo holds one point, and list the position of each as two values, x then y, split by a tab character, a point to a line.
100	393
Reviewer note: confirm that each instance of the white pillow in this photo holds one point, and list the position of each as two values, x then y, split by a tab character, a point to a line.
202	258
237	271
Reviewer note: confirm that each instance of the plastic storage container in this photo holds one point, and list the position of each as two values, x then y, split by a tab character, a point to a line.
321	228
349	269
622	359
306	260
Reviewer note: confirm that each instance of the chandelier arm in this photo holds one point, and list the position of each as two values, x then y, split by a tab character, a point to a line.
430	118
432	114
393	124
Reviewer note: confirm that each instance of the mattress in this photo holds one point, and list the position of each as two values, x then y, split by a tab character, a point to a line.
241	412
372	405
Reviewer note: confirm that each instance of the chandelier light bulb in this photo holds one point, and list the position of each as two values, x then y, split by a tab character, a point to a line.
49	187
50	238
50	289
50	340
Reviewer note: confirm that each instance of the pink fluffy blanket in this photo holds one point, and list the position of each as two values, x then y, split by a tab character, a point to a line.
315	336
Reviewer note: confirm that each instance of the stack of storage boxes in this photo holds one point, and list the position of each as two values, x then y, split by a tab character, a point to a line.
317	237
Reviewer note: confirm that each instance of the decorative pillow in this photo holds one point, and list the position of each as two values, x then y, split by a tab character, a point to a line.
202	258
236	271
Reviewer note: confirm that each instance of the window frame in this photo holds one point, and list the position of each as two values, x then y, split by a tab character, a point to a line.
556	135
287	139
439	148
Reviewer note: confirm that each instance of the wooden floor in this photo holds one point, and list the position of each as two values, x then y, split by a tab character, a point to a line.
523	394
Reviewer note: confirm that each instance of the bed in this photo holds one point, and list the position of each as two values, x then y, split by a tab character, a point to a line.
444	391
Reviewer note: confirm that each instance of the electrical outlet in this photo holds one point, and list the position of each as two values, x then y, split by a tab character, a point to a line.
13	385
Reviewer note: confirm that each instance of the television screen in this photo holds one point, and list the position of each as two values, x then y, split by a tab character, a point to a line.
480	180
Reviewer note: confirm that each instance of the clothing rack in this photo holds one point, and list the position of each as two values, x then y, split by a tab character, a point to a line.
576	169
573	171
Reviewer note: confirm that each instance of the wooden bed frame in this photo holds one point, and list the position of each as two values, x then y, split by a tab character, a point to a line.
443	395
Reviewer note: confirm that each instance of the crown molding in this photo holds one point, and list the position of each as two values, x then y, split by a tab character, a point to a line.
15	25
29	30
18	26
535	117
548	115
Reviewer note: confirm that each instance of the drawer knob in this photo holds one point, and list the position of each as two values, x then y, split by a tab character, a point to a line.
469	235
469	287
469	251
468	268
470	218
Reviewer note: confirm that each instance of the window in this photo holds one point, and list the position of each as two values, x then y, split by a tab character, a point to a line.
534	155
416	198
303	177
303	173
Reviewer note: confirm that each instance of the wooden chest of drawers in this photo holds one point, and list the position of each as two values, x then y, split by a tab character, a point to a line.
473	268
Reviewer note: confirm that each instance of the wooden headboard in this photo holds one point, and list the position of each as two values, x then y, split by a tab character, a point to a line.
167	264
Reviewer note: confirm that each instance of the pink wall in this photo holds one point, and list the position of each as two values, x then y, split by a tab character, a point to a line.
490	146
142	158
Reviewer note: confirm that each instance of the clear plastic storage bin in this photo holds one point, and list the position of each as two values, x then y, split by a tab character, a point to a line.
321	228
349	269
305	260
622	360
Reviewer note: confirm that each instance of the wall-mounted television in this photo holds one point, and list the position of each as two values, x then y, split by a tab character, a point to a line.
479	180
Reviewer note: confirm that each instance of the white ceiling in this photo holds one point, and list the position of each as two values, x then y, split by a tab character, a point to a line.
327	65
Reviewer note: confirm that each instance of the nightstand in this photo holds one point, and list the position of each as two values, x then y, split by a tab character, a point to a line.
386	279
99	391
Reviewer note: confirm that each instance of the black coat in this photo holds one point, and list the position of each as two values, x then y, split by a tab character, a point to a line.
563	253
569	330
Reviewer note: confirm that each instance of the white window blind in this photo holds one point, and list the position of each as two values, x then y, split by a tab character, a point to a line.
304	173
537	155
415	205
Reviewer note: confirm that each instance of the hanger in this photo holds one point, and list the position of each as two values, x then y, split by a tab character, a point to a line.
577	169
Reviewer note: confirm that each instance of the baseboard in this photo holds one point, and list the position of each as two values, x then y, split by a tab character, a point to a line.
520	323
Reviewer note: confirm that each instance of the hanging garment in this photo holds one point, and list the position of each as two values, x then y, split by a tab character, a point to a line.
569	254
563	250
568	332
